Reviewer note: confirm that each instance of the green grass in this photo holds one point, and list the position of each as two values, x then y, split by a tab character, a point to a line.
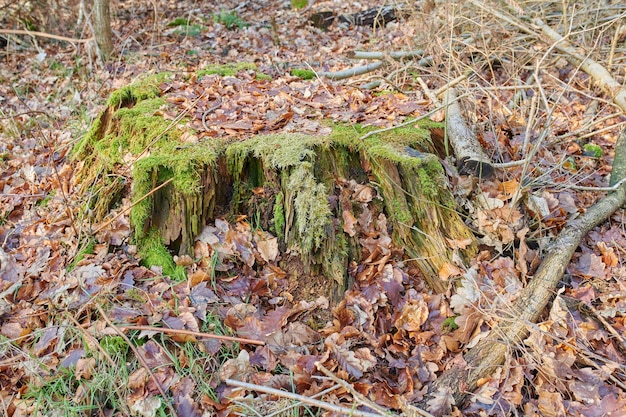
56	390
231	20
82	390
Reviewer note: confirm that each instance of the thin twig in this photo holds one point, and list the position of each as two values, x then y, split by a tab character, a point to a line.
408	122
383	55
127	209
348	387
140	358
43	35
306	400
197	334
210	110
585	188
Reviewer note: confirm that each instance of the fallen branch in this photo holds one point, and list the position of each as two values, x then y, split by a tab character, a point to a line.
353	72
195	334
471	160
489	354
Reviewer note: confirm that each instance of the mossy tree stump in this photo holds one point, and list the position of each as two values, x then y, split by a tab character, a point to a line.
288	184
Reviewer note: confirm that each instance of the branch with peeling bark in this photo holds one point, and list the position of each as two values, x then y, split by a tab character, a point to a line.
471	160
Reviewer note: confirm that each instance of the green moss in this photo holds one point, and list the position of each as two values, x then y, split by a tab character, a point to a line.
263	77
154	253
449	325
182	164
179	21
226	70
87	248
303	74
276	151
137	128
399	212
299	4
279	215
592	150
138	91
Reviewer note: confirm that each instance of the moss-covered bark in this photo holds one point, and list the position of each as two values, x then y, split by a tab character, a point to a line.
284	183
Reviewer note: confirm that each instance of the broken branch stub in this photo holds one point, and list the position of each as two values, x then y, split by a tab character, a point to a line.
471	159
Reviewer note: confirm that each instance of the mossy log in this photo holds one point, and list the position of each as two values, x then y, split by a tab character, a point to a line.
288	184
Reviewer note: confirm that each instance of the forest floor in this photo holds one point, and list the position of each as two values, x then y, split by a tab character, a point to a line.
66	310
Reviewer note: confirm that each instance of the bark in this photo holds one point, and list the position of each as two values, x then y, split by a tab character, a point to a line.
102	28
471	160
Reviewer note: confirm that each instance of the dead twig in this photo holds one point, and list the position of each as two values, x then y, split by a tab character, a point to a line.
44	35
383	55
305	400
127	209
140	358
196	334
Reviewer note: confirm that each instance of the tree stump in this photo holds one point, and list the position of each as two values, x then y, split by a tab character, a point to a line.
291	185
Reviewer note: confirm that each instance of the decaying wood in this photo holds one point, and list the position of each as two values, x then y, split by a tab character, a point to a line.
298	185
471	160
353	72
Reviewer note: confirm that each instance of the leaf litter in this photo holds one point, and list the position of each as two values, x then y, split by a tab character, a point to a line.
389	337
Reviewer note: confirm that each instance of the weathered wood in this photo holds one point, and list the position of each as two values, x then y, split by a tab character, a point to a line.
471	159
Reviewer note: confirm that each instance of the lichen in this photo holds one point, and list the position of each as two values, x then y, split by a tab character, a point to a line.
312	210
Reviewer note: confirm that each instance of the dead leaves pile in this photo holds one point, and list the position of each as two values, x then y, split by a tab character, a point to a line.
242	105
389	336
